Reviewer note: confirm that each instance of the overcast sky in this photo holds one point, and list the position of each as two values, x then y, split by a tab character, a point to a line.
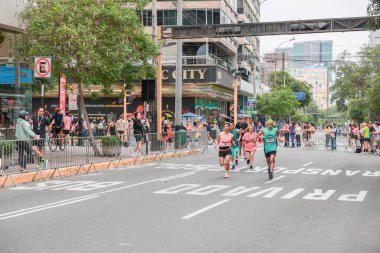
280	10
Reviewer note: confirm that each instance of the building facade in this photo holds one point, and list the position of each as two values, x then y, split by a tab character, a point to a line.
209	63
374	38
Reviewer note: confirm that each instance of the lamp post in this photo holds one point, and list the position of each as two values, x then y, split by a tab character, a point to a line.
275	63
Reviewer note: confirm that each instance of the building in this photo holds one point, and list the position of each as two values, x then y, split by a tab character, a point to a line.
374	38
13	98
209	63
317	77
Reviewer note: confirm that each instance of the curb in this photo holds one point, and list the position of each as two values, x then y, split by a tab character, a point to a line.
22	178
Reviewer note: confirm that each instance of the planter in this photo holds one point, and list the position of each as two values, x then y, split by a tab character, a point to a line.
6	161
111	150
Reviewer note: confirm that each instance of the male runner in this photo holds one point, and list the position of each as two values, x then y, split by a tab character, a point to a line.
235	147
271	136
225	141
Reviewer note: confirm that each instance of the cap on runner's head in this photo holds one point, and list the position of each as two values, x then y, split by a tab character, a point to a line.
269	121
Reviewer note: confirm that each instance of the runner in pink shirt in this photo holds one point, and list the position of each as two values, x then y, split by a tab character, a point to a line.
250	138
67	120
225	141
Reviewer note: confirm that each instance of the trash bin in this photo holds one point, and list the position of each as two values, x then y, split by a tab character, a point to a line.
181	138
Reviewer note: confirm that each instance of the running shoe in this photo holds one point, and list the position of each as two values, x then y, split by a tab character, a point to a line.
237	162
233	167
270	175
251	167
248	161
22	169
226	175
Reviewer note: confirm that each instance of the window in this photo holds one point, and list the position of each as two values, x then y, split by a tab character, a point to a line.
167	17
145	17
201	17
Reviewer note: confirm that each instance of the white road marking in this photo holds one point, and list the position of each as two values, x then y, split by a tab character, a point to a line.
205	209
48	206
307	164
277	178
82	198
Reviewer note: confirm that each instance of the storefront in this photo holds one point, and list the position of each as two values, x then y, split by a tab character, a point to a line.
14	99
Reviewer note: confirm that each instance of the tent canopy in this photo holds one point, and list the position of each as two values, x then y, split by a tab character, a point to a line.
190	114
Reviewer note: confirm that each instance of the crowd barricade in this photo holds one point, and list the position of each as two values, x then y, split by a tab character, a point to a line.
86	152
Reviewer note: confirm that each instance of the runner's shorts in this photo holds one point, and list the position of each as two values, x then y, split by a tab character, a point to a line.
234	151
224	152
270	153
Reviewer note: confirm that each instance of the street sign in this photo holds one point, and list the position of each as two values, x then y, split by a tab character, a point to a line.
43	67
251	102
73	102
300	95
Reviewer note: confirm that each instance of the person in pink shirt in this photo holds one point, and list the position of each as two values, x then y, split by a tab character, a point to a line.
250	139
225	141
67	121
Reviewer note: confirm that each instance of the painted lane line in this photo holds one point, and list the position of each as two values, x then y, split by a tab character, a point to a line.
277	178
307	164
42	206
47	207
178	176
205	209
74	200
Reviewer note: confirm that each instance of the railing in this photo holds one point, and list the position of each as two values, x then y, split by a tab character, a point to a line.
78	151
196	60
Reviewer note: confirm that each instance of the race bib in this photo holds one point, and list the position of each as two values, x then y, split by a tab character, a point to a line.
270	139
225	144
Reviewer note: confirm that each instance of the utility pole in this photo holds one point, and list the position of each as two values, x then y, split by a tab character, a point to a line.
178	82
17	62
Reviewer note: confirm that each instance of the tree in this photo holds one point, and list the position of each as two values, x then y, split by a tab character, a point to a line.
94	42
373	9
2	37
284	79
356	110
358	79
279	103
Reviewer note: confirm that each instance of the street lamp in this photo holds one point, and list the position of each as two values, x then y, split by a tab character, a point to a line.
275	63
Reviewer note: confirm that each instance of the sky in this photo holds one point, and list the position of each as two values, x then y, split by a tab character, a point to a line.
281	10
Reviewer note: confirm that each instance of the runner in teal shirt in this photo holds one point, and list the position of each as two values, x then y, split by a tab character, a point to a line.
271	136
235	146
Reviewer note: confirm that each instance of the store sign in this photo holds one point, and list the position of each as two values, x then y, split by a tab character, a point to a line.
73	102
189	74
62	93
251	102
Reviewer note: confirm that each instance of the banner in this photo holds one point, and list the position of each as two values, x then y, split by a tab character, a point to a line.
73	102
62	93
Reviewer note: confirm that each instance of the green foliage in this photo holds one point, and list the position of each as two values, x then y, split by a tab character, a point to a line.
94	42
358	79
2	37
6	147
279	103
48	85
284	79
356	110
111	141
373	9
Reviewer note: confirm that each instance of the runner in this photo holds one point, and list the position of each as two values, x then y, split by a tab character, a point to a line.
250	138
241	125
271	137
225	141
235	147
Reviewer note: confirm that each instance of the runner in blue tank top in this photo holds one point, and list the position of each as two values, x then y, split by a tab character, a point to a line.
271	137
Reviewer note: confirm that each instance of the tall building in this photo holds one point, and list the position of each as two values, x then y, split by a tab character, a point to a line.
209	63
374	38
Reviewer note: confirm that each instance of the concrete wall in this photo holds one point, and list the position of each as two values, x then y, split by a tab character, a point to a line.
10	10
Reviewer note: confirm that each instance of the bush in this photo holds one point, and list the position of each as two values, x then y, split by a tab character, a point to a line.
110	141
6	147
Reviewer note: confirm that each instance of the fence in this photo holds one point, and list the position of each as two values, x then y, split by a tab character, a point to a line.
79	151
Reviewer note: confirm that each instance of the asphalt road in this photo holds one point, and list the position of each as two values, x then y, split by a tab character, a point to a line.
319	201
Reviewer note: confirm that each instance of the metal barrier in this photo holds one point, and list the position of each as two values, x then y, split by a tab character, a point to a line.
83	151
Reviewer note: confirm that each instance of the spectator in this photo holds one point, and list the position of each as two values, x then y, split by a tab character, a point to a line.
138	131
67	122
298	133
327	134
111	127
120	126
101	127
333	134
93	128
23	135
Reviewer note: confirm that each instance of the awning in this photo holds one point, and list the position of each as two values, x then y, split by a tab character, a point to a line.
7	75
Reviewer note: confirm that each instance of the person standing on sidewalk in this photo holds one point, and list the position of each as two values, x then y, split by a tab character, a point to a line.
120	124
23	135
333	133
292	133
138	131
271	137
327	135
40	127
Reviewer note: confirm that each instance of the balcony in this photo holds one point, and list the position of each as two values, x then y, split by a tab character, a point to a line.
196	60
